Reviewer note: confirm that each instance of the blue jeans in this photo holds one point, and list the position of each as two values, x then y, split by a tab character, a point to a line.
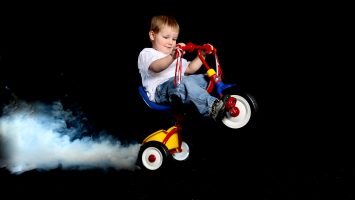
191	90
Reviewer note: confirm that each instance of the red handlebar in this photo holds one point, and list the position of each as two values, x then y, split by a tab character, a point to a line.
209	49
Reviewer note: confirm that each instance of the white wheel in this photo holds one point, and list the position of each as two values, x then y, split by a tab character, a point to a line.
152	155
152	158
243	118
184	154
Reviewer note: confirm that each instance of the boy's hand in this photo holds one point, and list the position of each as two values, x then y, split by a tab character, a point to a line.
174	52
208	48
181	44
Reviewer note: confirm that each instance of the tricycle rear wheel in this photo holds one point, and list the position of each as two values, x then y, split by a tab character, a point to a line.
152	155
184	154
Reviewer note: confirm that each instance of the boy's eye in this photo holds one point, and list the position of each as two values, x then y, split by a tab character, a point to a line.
166	37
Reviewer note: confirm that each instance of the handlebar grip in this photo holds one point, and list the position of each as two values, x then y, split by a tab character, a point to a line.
208	48
188	47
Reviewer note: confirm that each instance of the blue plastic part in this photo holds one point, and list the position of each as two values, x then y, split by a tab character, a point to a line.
151	104
221	86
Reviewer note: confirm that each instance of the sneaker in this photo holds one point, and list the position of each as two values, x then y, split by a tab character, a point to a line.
218	106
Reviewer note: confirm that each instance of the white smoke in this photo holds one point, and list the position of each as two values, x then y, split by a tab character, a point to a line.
43	137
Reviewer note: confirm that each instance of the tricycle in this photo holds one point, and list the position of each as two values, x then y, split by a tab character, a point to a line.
240	109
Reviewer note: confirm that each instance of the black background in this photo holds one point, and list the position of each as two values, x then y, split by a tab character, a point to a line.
86	56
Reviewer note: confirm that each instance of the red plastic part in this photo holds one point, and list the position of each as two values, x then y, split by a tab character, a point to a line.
231	108
234	111
152	158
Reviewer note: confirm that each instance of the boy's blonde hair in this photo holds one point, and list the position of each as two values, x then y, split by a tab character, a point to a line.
158	22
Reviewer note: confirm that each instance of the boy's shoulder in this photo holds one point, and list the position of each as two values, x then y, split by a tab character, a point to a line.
148	49
151	51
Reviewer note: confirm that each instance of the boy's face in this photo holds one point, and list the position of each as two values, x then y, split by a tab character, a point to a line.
165	40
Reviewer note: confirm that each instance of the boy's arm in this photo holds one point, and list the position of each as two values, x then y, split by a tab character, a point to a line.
161	64
195	64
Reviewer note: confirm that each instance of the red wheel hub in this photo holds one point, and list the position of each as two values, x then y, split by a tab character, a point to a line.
152	158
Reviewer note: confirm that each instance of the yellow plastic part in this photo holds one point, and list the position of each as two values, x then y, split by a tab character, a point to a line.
211	72
173	141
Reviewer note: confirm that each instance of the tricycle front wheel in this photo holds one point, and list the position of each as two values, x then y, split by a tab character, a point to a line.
246	109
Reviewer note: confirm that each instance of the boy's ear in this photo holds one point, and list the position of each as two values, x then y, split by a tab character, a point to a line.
151	35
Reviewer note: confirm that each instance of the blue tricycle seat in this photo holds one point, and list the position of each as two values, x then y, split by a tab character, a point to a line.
151	104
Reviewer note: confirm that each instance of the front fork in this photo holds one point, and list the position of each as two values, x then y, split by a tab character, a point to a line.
230	104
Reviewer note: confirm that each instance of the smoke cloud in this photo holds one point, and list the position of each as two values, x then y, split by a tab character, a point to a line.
44	137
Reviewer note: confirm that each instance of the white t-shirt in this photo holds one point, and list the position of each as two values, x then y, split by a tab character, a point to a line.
150	80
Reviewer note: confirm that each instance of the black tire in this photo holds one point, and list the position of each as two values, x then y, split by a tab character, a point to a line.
153	155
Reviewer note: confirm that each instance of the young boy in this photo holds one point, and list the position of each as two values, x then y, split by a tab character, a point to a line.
157	68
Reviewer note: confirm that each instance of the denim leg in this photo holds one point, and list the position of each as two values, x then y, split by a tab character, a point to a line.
191	90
